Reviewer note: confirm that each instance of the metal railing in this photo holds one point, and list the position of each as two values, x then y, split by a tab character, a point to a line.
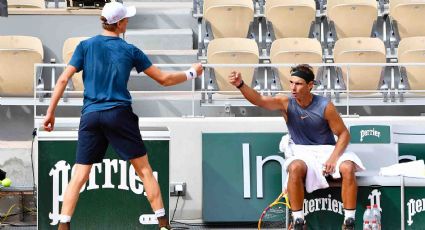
393	93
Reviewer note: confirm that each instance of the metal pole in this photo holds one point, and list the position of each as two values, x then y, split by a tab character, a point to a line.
348	90
402	201
3	8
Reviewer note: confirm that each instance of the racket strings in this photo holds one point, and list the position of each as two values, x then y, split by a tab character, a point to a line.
274	217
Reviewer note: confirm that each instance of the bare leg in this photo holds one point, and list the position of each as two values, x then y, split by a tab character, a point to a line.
297	171
349	184
72	193
144	170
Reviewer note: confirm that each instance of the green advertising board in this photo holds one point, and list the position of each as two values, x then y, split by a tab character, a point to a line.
370	134
417	151
113	198
229	194
414	208
324	209
242	174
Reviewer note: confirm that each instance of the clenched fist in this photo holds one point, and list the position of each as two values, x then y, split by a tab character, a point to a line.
235	78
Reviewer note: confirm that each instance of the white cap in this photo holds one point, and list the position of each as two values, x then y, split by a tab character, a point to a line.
115	11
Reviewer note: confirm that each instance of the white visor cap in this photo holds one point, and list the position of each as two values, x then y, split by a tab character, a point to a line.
115	11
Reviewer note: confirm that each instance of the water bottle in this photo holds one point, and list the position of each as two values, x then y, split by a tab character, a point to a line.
366	225
367	216
376	215
374	225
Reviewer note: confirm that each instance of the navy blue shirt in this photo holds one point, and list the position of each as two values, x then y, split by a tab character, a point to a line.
106	62
308	126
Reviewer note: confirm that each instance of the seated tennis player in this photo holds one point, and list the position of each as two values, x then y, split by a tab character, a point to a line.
311	150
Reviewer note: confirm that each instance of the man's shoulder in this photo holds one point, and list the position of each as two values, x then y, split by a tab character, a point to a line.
320	97
91	39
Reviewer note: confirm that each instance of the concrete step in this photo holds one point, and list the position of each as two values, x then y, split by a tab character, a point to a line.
172	56
161	39
162	15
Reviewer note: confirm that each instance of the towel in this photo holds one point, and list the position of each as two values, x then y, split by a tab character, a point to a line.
408	169
314	157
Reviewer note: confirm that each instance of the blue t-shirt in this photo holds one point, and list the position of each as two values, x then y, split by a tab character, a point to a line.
106	63
308	126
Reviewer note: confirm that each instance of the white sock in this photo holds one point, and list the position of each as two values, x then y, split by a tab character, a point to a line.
64	218
298	214
349	213
160	213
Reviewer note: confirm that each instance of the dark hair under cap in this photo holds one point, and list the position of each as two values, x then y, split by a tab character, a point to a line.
303	71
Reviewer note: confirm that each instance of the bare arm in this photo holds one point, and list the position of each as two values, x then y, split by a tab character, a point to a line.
266	102
339	129
49	120
170	78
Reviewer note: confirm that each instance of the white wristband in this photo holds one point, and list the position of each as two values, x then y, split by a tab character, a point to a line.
190	74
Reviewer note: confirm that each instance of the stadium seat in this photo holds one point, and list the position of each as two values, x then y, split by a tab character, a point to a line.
67	51
294	51
413	50
290	18
361	50
352	18
408	17
229	18
26	4
232	51
18	54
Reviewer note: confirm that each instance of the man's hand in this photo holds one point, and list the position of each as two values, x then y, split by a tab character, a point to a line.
49	122
330	165
198	68
235	78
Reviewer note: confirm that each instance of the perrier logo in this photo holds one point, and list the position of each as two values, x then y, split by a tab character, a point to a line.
370	134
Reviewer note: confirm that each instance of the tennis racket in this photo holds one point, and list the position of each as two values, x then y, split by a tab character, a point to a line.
274	216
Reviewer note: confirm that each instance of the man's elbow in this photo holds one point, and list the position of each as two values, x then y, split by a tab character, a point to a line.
165	82
62	81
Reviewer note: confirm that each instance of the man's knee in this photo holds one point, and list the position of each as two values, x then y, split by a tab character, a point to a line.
297	169
146	171
347	169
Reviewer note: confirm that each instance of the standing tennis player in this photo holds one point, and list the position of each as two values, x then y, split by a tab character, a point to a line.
311	120
107	116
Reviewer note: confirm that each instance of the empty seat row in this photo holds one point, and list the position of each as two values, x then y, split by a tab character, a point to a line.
18	54
307	50
297	18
